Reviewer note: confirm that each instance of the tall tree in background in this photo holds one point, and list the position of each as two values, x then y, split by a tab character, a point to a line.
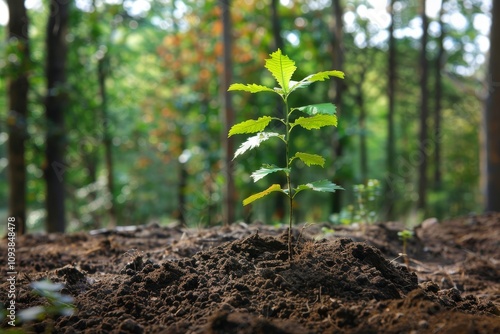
227	116
492	116
424	113
437	98
18	86
359	97
338	63
276	25
390	188
102	74
55	105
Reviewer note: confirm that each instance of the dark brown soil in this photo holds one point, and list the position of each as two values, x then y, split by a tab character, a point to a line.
152	279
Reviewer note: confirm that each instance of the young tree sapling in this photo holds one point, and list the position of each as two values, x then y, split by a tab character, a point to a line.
315	116
405	236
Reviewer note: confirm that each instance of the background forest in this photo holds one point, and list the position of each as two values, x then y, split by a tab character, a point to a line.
126	109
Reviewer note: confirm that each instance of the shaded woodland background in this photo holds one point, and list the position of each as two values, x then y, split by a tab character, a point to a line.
115	112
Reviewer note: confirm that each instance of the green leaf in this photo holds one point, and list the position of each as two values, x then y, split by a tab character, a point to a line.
320	76
282	69
252	88
318	109
322	185
255	141
316	122
265	170
310	159
250	126
254	197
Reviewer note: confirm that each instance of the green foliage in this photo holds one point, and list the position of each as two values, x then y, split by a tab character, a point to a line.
405	236
366	206
254	197
282	69
162	92
58	304
250	126
367	201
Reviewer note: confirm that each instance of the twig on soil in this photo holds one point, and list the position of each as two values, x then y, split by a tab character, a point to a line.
26	277
306	225
406	259
399	255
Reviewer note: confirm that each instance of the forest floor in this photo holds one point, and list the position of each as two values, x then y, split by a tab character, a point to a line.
154	279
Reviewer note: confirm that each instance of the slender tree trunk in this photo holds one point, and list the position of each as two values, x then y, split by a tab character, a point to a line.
228	211
390	188
90	160
338	64
18	86
424	114
209	184
438	97
362	127
492	116
276	24
182	183
55	106
102	73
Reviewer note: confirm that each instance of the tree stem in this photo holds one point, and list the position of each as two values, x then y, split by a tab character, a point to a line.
288	180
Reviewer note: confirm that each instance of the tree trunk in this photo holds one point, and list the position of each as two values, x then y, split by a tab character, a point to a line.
437	98
492	116
183	176
55	105
276	24
90	160
390	188
424	113
338	64
228	212
362	127
18	86
102	72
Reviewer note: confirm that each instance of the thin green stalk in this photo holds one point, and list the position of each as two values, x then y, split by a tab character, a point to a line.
288	180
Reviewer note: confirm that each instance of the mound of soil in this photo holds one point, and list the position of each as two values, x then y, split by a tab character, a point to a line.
152	279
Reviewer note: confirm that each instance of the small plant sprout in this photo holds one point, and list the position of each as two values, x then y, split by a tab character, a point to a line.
367	196
314	116
404	236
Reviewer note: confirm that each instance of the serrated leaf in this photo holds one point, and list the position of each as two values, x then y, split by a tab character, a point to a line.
255	141
310	159
316	122
252	88
282	69
254	197
250	126
322	185
320	76
298	84
265	170
318	109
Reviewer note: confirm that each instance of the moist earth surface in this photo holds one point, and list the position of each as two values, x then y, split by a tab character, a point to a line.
239	279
